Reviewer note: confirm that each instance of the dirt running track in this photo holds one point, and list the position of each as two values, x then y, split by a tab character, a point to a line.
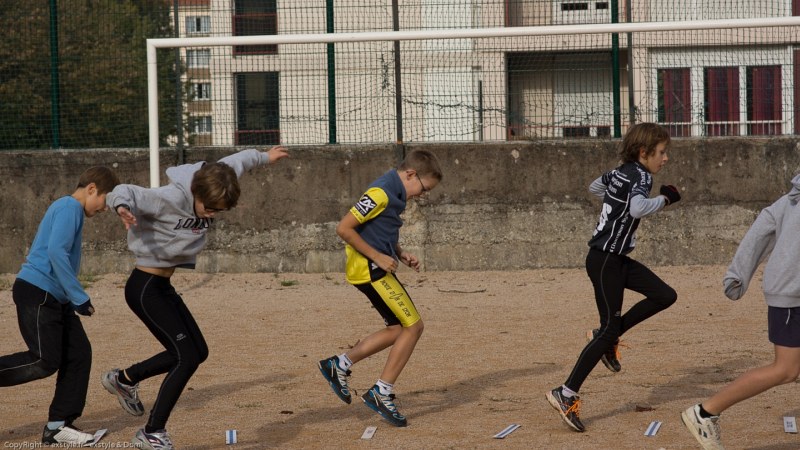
494	342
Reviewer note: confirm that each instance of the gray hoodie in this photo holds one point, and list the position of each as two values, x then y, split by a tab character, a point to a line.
167	233
775	235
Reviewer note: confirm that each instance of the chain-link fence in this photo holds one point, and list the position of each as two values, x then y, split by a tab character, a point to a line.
73	73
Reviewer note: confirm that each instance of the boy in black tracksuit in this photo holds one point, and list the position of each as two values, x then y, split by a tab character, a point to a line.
625	192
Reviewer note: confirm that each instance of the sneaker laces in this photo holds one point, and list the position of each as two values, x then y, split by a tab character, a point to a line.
615	349
164	437
388	401
341	374
131	389
714	425
575	407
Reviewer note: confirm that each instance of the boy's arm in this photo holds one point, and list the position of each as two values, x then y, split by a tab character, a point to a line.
598	188
65	227
642	206
140	201
346	229
755	247
248	159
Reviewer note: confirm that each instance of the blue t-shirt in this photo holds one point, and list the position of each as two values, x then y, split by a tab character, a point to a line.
54	260
378	211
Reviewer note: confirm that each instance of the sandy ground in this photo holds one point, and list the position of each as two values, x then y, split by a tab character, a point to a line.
494	342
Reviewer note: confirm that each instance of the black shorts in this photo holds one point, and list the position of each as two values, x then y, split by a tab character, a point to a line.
784	326
391	300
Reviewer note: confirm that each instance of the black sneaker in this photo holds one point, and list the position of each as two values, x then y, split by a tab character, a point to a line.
611	357
67	435
384	405
568	407
337	378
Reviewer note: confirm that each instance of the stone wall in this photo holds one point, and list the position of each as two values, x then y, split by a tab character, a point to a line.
509	205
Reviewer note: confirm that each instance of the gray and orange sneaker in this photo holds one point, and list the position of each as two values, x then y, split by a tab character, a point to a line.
611	357
568	408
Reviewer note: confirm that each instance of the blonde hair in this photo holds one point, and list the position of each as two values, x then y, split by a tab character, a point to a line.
103	178
424	162
216	186
645	134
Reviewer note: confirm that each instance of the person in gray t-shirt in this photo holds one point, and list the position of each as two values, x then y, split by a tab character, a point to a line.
167	228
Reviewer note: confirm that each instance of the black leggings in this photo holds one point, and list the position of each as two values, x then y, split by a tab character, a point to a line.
611	274
56	342
155	302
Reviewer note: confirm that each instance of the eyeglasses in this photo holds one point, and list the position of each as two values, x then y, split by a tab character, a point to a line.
424	189
215	210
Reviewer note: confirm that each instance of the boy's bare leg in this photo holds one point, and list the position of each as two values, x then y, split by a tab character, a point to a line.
374	343
401	352
784	369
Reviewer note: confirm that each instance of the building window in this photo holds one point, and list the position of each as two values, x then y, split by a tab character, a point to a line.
198	58
721	87
254	18
198	25
764	106
201	125
675	101
257	108
796	7
201	91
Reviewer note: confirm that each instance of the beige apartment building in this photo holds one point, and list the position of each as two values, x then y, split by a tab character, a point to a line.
698	83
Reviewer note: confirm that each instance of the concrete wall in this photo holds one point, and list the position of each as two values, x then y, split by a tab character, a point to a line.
500	206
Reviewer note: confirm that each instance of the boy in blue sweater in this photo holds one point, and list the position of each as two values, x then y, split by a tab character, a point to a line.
47	295
371	230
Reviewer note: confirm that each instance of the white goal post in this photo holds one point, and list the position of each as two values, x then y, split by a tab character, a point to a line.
153	44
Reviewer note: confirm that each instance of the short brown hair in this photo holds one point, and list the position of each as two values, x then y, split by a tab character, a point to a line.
424	162
645	134
216	186
104	178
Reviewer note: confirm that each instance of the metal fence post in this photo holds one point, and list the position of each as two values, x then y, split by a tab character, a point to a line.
331	76
55	94
398	79
615	71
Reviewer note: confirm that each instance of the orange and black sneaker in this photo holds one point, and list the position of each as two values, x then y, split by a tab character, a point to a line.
568	407
611	357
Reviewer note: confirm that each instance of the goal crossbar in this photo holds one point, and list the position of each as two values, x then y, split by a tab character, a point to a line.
326	38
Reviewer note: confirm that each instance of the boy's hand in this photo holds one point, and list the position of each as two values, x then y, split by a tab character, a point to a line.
734	289
410	260
671	193
126	216
85	309
276	153
386	263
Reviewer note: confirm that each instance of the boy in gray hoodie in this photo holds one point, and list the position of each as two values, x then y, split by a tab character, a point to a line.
167	228
774	236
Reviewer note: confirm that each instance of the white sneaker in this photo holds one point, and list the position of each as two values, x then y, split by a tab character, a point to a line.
706	431
70	436
159	440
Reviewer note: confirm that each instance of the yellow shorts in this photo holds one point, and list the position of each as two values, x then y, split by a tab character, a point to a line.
391	300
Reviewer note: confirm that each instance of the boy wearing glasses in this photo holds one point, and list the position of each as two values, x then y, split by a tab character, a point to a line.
371	230
167	228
